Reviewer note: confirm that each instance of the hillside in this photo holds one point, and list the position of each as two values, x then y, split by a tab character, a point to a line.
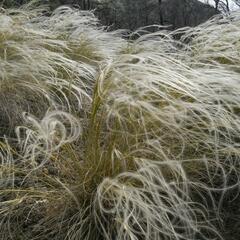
104	137
133	14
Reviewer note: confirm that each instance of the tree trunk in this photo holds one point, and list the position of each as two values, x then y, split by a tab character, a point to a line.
88	4
160	12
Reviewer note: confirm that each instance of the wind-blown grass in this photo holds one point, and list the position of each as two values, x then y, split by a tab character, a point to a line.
114	138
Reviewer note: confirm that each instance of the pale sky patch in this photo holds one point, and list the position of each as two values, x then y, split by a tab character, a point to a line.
231	3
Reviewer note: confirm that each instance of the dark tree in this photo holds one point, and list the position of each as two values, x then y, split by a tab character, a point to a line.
160	12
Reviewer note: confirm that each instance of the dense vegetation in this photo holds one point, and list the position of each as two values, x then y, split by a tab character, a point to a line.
132	14
108	137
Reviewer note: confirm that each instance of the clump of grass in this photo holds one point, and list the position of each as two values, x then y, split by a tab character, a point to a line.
214	43
36	69
128	141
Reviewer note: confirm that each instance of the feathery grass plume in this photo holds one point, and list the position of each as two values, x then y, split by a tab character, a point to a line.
142	204
121	130
214	43
36	73
6	171
25	186
86	39
157	131
111	147
47	136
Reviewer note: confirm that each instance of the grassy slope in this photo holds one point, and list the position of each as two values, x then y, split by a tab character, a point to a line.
104	138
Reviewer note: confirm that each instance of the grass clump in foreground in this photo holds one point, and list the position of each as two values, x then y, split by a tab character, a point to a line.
114	144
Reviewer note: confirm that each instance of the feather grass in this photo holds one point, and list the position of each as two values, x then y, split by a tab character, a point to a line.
136	140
